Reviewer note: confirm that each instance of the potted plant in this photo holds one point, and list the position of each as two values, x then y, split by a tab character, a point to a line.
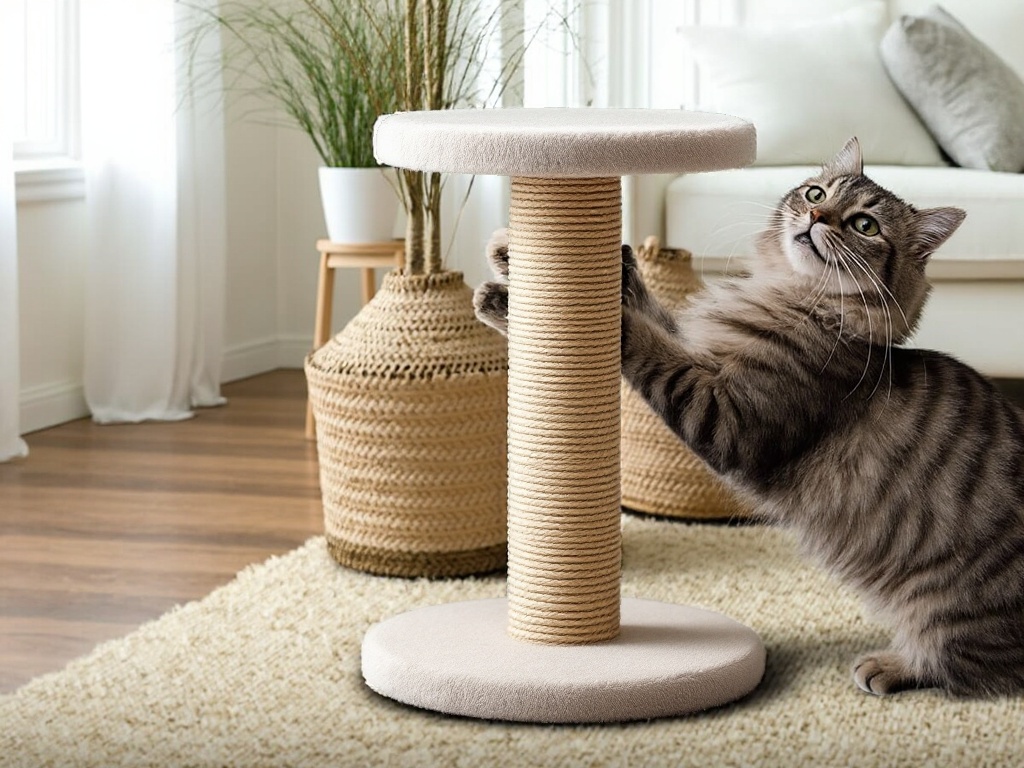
437	54
410	398
286	56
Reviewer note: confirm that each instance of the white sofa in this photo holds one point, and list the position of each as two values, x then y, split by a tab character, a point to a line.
977	308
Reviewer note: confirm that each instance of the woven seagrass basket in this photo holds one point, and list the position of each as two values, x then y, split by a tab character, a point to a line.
410	402
660	475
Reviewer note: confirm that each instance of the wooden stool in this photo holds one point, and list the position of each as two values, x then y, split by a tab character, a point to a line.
365	256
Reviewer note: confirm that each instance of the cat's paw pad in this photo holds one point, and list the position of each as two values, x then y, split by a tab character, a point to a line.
883	673
490	301
497	252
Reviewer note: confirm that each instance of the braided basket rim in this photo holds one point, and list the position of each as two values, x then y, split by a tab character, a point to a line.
366	346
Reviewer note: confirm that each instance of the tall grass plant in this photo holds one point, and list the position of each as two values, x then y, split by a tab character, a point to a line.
333	66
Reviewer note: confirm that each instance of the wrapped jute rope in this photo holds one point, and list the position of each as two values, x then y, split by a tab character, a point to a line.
563	412
660	475
410	407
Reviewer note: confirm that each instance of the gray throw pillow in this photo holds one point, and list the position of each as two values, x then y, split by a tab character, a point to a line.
970	99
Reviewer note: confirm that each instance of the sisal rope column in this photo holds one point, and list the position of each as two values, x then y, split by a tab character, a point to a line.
564	551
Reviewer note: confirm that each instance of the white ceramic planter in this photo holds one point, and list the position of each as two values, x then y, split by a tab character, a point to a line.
360	204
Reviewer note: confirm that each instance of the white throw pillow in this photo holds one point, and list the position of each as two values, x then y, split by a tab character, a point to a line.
808	88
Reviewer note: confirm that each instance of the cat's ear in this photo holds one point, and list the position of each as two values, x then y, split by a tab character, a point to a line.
848	161
934	227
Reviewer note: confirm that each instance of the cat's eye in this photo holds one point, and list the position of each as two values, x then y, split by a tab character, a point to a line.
866	225
815	195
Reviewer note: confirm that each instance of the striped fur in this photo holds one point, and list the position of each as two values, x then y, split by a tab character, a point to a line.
901	469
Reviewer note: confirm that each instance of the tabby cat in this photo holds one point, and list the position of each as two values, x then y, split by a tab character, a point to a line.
902	470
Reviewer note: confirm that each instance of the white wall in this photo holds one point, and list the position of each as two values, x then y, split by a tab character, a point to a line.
299	226
51	270
251	322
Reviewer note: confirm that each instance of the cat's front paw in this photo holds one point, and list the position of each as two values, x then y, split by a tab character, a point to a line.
883	673
490	301
636	341
497	253
633	289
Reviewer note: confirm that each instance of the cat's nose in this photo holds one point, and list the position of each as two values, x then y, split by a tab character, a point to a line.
816	215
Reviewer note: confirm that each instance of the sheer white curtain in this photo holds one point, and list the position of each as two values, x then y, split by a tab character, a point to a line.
11	445
154	158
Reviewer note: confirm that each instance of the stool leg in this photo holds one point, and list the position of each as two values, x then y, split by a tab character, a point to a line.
322	327
369	285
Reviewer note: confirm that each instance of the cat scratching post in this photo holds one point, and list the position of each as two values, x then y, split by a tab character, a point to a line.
563	647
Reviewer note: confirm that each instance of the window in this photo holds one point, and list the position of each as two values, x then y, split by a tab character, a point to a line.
672	80
45	109
566	63
620	53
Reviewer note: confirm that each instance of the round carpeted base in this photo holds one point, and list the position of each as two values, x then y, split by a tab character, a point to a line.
459	659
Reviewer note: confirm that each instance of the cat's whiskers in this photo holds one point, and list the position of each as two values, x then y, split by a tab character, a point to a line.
881	286
842	316
884	294
758	204
752	222
881	289
840	258
817	293
782	228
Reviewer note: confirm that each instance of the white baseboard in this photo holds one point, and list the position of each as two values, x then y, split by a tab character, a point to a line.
244	360
251	358
49	404
292	351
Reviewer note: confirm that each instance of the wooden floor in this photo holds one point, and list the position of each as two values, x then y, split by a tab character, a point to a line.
105	527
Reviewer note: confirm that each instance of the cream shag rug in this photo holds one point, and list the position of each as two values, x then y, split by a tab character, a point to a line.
265	671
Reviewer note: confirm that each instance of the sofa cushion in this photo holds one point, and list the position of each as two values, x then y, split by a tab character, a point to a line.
718	214
971	100
997	23
809	87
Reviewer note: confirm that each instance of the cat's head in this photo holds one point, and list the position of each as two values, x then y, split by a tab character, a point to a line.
860	244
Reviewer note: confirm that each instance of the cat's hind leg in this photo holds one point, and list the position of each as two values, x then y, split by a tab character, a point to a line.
885	672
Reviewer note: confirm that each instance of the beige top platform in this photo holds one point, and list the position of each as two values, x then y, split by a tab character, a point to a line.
564	143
